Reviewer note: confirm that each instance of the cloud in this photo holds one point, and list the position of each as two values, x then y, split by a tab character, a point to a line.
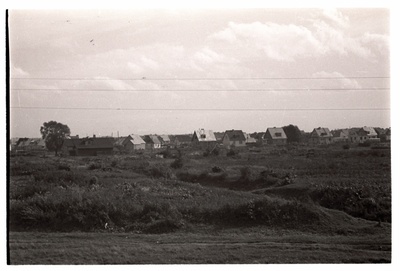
277	41
336	17
328	33
340	82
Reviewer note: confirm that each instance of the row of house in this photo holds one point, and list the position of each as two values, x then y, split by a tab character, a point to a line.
203	139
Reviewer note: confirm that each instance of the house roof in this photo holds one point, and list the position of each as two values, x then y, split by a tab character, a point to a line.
219	135
370	131
90	143
204	135
136	139
235	135
151	139
164	138
340	132
276	133
182	138
380	131
357	132
119	140
322	132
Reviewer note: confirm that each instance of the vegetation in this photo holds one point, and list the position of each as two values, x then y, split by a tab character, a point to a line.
141	194
54	134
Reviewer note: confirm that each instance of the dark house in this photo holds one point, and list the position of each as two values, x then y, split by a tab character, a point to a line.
88	146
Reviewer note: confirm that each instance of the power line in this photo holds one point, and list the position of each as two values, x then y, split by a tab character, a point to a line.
200	79
202	109
194	90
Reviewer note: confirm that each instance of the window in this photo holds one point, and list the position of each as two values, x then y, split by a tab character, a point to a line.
278	134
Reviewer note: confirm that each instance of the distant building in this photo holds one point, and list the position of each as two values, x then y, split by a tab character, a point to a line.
205	139
234	138
88	146
321	136
165	140
341	135
370	132
181	140
133	142
357	135
250	141
259	137
275	136
152	142
219	136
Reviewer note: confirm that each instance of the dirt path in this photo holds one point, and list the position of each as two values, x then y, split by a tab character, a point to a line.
190	248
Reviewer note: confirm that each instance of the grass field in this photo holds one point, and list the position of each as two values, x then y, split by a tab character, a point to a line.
251	246
272	205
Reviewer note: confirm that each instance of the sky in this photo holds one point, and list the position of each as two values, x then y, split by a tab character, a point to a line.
170	71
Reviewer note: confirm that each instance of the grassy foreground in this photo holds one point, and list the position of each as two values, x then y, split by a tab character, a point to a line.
272	206
247	246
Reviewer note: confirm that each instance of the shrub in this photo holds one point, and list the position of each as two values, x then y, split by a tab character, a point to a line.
160	171
93	166
177	163
246	174
346	146
231	153
216	169
114	163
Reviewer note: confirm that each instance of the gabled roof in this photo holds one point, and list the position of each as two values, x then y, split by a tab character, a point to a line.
380	131
235	135
120	140
151	139
357	132
155	139
370	131
340	133
276	133
322	132
136	139
219	135
204	135
164	138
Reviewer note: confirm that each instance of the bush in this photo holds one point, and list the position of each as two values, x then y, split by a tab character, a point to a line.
246	174
177	163
93	166
114	163
216	169
231	153
346	146
160	171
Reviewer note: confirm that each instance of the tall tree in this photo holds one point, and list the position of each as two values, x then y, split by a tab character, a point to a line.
54	134
293	133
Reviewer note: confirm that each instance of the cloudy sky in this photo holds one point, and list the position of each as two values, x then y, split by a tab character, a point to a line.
172	71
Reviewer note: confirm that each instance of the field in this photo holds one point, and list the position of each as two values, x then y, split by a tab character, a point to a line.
250	205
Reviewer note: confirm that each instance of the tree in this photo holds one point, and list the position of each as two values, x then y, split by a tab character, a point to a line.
54	134
293	133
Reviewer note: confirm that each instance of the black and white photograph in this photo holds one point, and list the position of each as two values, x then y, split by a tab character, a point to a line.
199	136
